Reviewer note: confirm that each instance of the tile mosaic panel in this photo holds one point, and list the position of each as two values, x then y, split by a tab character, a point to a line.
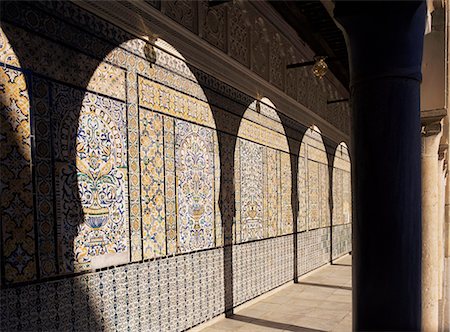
91	179
324	196
160	98
338	218
152	184
67	65
16	196
174	294
273	188
313	249
252	193
286	189
218	215
261	266
237	220
170	187
194	148
342	240
347	197
302	195
44	178
313	195
134	182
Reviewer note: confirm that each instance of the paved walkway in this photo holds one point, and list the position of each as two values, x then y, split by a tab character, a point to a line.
321	301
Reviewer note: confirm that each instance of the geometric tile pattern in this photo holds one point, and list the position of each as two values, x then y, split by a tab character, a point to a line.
44	178
152	184
342	240
261	266
126	166
173	294
16	191
273	192
170	187
313	249
286	190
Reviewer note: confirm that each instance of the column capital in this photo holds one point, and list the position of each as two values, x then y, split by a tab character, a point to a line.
431	121
432	128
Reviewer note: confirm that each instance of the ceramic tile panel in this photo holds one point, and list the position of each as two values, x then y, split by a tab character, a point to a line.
194	148
252	194
170	187
313	195
313	249
152	184
342	240
157	97
44	181
16	196
91	179
254	262
218	216
100	76
273	188
338	210
302	195
134	182
324	196
286	189
347	197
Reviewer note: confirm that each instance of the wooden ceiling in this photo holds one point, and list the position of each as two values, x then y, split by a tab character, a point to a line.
317	28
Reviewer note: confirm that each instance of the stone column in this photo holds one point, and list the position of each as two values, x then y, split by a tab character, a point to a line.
385	43
441	218
431	136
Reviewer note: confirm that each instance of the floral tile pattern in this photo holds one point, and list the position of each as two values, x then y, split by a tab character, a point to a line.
112	161
91	179
194	148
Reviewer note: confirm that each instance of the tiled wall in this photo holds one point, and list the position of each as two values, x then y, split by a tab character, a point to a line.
147	196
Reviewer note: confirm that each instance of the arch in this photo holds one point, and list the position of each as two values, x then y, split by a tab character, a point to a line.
313	182
262	175
342	197
176	171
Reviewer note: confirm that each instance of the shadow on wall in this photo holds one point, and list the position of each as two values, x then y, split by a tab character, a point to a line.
59	145
75	160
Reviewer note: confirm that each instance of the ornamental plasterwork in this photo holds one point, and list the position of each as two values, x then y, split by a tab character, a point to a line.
238	29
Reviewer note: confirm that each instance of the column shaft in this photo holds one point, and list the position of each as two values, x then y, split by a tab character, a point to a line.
430	229
385	62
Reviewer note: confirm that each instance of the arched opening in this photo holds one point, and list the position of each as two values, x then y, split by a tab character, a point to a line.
342	202
262	175
313	221
313	182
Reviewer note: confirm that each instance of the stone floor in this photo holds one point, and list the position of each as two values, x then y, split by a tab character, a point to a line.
321	301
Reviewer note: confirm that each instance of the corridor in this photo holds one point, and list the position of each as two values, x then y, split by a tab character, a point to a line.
321	301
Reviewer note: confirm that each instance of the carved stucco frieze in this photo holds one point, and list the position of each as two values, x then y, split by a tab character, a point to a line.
183	11
239	29
277	60
260	48
239	32
213	25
